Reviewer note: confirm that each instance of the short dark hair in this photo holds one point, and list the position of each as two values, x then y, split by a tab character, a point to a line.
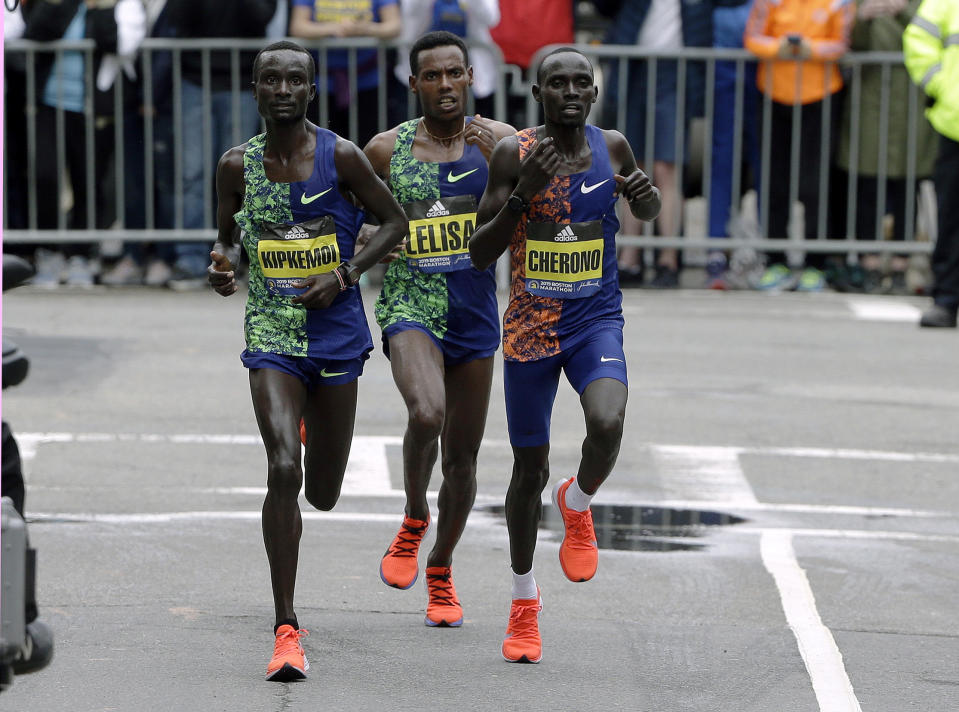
431	40
281	45
540	74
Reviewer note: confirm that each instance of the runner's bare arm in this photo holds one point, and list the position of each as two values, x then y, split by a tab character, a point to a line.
508	176
357	173
633	184
225	255
379	151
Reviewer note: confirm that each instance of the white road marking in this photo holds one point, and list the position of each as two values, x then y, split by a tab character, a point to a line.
692	476
800	508
879	309
822	658
703	473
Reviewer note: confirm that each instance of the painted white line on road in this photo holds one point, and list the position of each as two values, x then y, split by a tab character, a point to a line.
879	309
702	473
798	508
852	454
819	652
477	519
878	535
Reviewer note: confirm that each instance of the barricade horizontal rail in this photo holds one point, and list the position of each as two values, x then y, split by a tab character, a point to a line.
137	154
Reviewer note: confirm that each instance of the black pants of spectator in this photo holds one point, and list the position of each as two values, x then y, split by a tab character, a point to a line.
863	223
814	133
945	256
75	161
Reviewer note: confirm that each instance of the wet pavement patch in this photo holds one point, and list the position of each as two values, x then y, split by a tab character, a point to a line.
640	527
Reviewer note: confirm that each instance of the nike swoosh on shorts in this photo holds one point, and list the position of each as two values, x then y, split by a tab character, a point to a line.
604	359
327	374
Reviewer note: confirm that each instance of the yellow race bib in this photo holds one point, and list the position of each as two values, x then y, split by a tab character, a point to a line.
564	261
289	253
440	230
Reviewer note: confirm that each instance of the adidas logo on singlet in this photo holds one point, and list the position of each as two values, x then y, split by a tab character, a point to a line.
437	210
296	233
566	235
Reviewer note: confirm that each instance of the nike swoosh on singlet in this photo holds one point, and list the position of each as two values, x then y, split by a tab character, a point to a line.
604	359
590	188
307	201
452	179
327	374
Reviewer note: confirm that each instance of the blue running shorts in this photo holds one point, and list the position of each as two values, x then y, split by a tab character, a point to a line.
311	371
531	385
453	354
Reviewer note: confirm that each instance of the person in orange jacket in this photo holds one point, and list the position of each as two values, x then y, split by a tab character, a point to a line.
799	42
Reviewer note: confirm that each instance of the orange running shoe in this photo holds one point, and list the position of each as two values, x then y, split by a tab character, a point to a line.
522	643
443	607
578	554
302	431
398	567
289	661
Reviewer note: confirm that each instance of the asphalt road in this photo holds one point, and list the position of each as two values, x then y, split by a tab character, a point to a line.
781	532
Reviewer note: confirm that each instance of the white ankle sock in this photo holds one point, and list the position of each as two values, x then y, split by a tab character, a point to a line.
524	585
576	499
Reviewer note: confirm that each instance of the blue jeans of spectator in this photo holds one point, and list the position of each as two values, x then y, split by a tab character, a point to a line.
729	23
135	210
194	257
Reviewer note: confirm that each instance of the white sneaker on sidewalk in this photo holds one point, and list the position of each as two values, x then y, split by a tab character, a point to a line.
49	265
158	273
80	272
124	273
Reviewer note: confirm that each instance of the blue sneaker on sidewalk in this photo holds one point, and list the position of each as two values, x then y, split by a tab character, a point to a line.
777	278
811	280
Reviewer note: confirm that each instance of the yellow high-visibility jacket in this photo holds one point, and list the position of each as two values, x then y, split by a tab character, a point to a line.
931	47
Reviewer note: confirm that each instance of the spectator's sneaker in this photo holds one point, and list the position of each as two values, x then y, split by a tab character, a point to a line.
630	277
717	282
398	567
777	278
124	273
522	643
939	316
158	273
80	272
578	554
872	281
443	607
811	280
289	661
666	278
897	284
49	265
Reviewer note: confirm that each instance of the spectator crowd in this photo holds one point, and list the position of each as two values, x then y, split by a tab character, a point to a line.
842	140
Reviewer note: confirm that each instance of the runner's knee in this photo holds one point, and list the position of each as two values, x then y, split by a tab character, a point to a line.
284	477
425	420
321	497
605	429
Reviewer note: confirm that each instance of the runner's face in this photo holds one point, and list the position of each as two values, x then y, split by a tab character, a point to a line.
283	89
442	82
567	92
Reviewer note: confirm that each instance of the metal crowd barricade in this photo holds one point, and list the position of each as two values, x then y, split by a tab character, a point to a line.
851	66
703	59
27	51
